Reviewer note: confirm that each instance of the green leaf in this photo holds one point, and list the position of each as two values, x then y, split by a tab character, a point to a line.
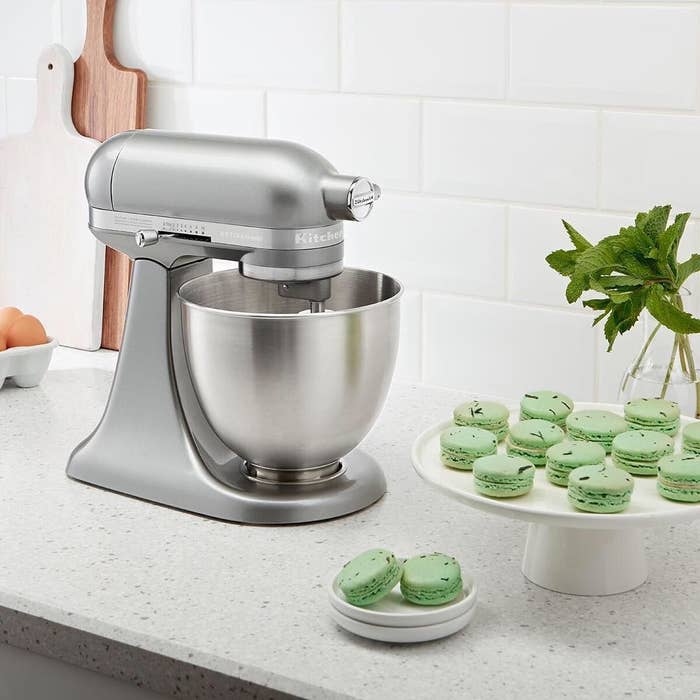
669	314
577	240
597	304
689	267
575	288
599	258
654	222
562	261
610	330
670	238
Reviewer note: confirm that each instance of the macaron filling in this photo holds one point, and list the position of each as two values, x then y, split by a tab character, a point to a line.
461	445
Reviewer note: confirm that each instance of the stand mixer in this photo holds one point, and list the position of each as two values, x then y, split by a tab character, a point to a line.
234	396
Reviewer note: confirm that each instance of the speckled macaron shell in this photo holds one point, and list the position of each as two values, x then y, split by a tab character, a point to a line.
546	405
489	415
679	478
532	438
431	579
639	451
600	489
691	438
503	476
369	576
566	456
653	414
596	426
461	445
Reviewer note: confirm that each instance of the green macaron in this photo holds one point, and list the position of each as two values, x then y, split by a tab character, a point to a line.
369	576
691	438
639	451
532	438
653	414
566	456
488	415
431	579
679	478
596	488
595	426
503	476
546	405
461	445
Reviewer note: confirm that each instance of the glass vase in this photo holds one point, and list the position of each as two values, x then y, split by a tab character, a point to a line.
664	367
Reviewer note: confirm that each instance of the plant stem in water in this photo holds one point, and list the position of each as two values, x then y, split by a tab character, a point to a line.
641	355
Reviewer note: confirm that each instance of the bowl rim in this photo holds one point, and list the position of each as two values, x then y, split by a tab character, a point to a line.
297	317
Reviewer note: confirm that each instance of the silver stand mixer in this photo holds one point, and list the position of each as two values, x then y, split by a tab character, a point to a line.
234	395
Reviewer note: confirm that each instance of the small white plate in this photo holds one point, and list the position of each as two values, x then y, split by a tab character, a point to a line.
394	611
403	635
27	365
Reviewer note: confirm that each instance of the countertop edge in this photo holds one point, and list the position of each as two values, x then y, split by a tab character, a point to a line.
135	664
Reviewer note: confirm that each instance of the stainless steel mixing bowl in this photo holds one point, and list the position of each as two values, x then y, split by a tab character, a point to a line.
287	391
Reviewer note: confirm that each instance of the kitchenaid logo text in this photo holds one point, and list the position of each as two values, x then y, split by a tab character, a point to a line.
306	238
363	199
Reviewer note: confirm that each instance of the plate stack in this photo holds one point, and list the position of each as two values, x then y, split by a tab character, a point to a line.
393	619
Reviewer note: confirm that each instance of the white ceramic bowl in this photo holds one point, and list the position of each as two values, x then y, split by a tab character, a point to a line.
403	635
394	611
26	365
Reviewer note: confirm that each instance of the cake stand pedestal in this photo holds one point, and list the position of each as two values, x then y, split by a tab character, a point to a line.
584	562
568	551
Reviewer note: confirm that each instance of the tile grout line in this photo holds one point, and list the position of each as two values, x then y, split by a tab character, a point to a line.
339	44
506	254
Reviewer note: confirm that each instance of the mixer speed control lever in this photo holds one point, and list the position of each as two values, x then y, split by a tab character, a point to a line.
146	237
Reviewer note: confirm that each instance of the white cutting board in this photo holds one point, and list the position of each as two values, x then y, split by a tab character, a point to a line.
51	266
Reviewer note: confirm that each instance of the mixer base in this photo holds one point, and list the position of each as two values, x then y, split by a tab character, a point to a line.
153	441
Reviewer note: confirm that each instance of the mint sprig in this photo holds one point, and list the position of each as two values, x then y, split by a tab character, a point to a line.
635	269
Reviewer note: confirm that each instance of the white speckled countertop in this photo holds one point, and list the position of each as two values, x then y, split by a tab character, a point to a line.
250	602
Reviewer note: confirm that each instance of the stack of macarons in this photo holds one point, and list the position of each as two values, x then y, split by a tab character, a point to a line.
552	434
433	597
426	579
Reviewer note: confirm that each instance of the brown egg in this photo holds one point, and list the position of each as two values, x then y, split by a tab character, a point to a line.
3	342
8	315
26	330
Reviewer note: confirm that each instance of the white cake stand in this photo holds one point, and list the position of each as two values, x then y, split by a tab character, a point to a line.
566	550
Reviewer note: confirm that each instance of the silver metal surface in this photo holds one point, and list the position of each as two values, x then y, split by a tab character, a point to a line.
286	390
225	401
153	441
224	234
146	237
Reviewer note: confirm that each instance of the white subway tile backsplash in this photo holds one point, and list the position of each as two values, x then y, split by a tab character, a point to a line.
506	349
523	154
650	159
206	110
433	243
3	110
373	136
155	36
408	362
26	28
21	104
609	55
533	234
424	48
273	43
428	98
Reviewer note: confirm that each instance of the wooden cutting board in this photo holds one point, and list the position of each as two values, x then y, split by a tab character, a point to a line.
108	99
51	266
